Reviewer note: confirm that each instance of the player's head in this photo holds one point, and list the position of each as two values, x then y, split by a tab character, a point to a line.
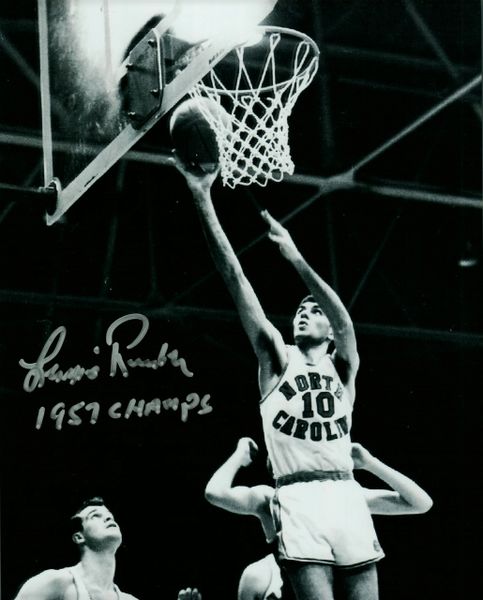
94	527
310	324
261	579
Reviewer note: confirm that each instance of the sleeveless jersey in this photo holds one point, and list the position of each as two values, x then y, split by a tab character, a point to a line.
307	418
82	593
80	586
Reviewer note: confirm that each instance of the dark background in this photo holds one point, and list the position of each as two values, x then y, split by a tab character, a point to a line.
403	250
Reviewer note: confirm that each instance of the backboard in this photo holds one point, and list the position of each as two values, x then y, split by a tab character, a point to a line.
110	69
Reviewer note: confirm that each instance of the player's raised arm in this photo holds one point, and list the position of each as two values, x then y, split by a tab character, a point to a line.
326	297
265	339
406	497
237	499
48	585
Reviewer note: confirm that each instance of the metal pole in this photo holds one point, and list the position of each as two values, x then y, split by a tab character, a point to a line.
45	93
415	124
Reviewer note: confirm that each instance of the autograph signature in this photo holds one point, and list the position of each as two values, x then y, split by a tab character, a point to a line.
44	369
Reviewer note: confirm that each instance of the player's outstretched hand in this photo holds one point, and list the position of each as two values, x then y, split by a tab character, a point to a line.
198	181
189	594
278	234
360	456
247	450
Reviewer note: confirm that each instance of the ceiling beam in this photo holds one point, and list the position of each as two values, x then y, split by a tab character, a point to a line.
325	150
29	72
391	58
436	46
400	88
326	184
108	306
429	114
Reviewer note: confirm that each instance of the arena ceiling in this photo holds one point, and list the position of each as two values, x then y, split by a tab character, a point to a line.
410	224
403	243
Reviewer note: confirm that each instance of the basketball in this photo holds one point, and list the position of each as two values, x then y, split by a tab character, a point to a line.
193	138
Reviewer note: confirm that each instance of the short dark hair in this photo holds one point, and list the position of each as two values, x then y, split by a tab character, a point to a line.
308	298
75	520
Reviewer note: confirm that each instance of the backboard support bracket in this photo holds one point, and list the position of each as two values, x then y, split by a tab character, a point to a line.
173	83
142	85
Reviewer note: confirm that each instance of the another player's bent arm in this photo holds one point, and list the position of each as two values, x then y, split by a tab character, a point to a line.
407	496
264	338
219	490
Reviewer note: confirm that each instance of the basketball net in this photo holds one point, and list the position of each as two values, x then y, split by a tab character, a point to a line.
253	142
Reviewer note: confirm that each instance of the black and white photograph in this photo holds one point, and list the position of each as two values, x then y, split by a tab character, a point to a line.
241	291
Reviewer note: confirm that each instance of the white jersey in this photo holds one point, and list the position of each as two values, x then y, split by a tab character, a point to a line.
82	593
307	418
80	586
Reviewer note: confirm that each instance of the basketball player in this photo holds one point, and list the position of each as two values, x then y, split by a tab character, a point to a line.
98	537
262	580
307	394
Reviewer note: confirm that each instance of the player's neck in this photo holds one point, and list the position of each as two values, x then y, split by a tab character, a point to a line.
99	568
313	351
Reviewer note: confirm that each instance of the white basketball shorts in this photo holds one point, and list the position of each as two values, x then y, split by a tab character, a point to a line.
326	522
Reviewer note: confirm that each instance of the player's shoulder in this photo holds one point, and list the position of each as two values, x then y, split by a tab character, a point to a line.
48	583
126	596
58	577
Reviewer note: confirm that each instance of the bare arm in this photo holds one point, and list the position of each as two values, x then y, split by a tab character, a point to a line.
406	496
237	499
328	300
265	339
48	585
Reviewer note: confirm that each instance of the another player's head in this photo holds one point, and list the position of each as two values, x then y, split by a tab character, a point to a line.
310	324
261	579
94	527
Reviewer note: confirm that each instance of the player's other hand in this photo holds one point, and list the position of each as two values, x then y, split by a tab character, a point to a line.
278	234
189	594
198	181
360	456
247	450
